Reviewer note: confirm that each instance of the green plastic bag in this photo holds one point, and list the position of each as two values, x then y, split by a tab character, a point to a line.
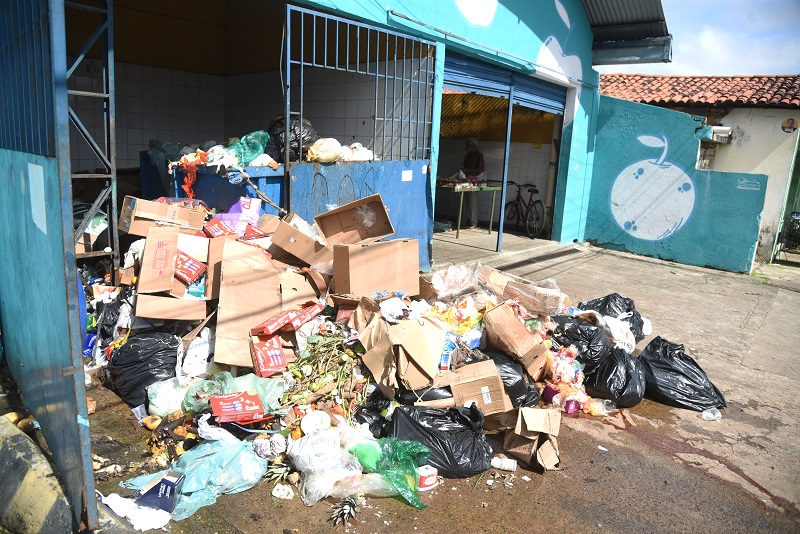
269	390
249	147
397	463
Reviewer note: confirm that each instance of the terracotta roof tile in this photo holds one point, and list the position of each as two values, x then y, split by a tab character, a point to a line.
776	91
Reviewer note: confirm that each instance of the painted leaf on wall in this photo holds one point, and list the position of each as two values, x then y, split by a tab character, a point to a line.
649	140
562	11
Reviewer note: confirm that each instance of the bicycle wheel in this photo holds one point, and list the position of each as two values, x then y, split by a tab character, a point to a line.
512	214
535	220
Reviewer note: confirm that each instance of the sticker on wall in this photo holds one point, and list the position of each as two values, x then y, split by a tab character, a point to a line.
478	12
789	125
652	199
747	184
38	207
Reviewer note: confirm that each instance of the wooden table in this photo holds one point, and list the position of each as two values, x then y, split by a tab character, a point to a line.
467	188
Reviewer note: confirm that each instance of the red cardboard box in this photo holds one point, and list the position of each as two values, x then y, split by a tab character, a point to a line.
273	324
267	354
188	269
239	406
303	316
217	228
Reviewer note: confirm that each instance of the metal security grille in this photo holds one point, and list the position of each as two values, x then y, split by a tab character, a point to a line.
394	72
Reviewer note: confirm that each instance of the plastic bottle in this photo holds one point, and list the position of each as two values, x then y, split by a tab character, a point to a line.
504	464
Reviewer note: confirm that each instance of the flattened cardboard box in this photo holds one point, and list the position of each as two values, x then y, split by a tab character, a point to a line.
249	294
157	271
363	221
156	307
138	215
367	268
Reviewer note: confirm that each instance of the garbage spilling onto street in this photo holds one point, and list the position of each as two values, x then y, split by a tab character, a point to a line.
313	356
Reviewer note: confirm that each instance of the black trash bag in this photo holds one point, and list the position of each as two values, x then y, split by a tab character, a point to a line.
459	448
532	397
620	378
615	305
370	413
592	342
277	136
674	378
409	397
145	358
511	373
108	315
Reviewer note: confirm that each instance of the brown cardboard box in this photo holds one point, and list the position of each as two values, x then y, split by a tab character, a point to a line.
386	265
249	293
298	244
481	383
504	331
157	271
138	215
533	439
352	223
500	422
406	353
156	307
494	280
543	300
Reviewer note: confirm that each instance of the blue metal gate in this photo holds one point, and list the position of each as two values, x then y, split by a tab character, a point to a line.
38	283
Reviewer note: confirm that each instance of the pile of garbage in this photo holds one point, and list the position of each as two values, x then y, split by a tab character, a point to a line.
315	356
265	148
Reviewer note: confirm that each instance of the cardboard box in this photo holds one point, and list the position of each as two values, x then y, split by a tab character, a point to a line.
535	299
406	353
273	324
216	227
162	493
267	355
237	406
138	215
494	280
157	270
533	439
268	223
363	221
249	293
299	245
506	332
385	265
156	307
481	383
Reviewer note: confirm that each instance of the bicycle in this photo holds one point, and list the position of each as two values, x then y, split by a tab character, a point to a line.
532	212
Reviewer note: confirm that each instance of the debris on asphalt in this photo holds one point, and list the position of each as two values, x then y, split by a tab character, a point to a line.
314	356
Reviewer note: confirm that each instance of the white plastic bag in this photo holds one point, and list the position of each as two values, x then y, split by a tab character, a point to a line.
165	397
322	462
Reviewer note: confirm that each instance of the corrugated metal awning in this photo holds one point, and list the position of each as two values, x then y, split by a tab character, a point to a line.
628	31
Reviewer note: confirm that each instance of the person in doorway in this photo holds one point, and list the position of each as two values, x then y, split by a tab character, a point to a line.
474	167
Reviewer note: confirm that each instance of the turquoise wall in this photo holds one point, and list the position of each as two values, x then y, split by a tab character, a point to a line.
648	198
551	38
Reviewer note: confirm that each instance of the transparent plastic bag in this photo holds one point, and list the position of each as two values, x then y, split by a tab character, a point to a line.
165	397
372	484
322	462
364	216
456	280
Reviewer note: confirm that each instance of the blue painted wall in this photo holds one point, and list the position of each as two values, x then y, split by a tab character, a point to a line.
549	38
647	197
404	187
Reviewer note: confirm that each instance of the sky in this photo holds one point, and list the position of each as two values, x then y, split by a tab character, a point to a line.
727	37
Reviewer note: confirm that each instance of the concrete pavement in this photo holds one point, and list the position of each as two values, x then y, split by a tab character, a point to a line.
741	329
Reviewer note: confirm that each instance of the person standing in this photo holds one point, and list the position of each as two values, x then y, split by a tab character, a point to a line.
474	166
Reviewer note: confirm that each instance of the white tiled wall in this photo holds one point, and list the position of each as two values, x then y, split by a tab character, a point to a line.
151	103
527	164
